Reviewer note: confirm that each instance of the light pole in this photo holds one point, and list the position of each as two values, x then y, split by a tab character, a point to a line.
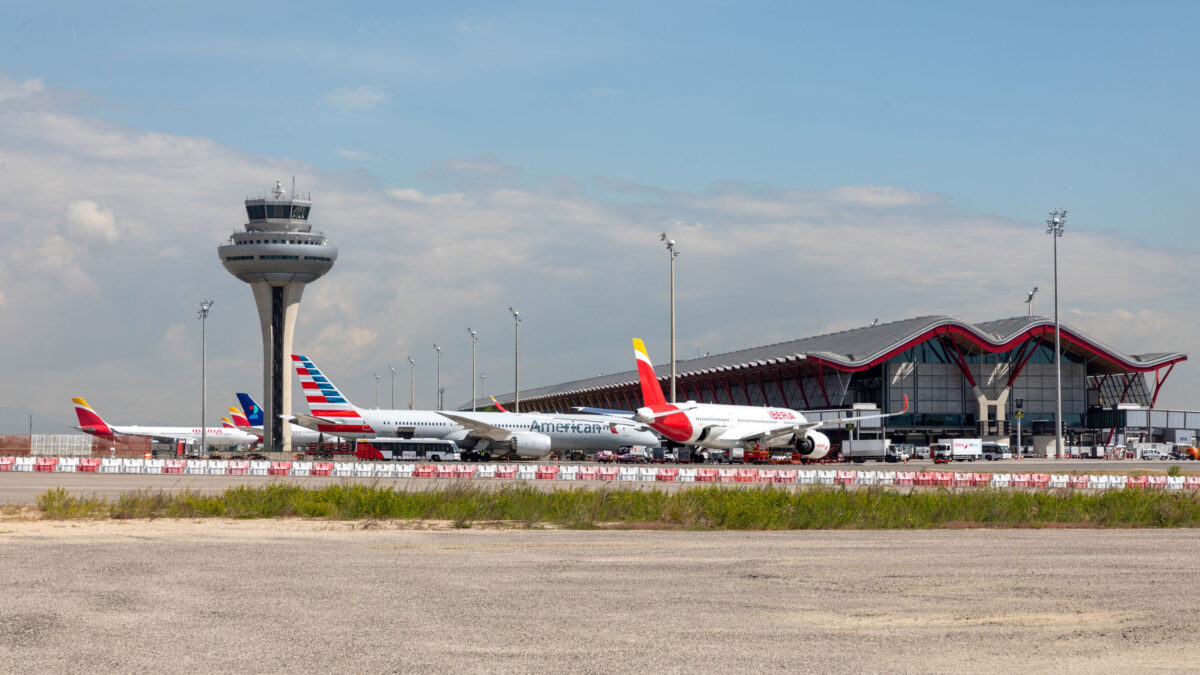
205	305
393	386
377	391
1029	302
438	393
672	254
474	338
516	360
483	385
412	382
1054	227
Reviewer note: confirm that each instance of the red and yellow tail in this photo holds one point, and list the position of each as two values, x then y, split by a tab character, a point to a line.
652	393
89	420
238	417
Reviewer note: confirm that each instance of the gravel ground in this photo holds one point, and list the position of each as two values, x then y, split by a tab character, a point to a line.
308	596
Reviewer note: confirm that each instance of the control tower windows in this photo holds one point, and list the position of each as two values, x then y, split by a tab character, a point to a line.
299	212
256	211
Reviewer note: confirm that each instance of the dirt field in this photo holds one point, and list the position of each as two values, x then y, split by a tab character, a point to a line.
304	596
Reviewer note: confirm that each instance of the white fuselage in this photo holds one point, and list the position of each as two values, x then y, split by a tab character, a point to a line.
565	432
714	425
218	436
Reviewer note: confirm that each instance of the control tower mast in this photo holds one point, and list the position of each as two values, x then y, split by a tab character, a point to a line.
277	255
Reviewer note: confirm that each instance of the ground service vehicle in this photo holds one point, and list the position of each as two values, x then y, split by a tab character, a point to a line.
407	449
861	450
996	451
960	449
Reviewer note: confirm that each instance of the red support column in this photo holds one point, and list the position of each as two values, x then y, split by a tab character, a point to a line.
821	381
1159	383
800	385
779	383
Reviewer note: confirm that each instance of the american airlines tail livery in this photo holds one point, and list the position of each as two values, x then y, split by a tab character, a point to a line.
500	434
713	425
91	422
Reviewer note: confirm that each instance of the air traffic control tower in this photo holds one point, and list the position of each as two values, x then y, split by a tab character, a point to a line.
277	255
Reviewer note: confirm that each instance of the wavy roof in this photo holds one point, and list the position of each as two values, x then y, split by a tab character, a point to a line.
861	348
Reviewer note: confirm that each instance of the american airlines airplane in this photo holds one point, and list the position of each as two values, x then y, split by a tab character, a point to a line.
714	425
91	422
501	434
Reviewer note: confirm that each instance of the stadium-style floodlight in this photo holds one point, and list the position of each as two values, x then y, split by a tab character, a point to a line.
438	396
1029	302
205	305
393	386
672	253
474	339
516	359
1054	227
412	382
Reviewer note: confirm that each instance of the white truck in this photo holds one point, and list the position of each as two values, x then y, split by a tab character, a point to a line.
961	449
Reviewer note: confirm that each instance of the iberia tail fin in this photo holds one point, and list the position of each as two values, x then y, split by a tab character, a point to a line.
238	418
498	406
89	420
652	393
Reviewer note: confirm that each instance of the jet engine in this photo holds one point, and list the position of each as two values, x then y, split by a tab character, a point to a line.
533	445
812	445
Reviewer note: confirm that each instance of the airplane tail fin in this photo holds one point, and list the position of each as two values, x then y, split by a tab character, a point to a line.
652	393
324	399
227	424
89	420
238	419
498	406
254	414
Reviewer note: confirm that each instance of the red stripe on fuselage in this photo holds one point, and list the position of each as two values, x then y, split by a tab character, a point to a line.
335	413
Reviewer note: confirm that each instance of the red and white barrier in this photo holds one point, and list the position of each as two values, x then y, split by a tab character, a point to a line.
6	463
548	472
667	475
279	468
607	473
506	471
172	466
239	467
588	473
706	475
322	468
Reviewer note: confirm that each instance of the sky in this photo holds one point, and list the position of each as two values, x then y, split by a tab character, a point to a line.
820	165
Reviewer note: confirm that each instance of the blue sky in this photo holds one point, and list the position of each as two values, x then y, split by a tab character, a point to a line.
952	125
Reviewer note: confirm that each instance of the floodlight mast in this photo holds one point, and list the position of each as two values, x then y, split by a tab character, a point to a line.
516	359
474	339
205	305
1054	227
672	254
1029	302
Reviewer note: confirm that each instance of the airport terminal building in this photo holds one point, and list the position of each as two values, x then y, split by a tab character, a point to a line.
962	379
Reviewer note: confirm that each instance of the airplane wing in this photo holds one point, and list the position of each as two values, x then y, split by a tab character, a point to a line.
604	411
254	431
762	435
478	428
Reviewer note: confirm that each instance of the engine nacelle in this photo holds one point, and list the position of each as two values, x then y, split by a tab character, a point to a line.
530	444
812	445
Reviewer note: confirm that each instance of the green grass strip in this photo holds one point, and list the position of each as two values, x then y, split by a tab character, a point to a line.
715	508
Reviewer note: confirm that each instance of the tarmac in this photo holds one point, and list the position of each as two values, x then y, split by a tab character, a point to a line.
313	596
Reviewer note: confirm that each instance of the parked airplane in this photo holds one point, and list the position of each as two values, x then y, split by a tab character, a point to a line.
245	419
91	422
529	435
713	425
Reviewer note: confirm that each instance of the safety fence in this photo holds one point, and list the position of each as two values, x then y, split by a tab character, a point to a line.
564	472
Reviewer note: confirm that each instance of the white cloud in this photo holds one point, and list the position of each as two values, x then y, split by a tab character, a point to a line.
90	220
10	89
357	98
354	154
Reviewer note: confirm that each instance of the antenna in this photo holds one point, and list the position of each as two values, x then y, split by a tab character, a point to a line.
293	185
